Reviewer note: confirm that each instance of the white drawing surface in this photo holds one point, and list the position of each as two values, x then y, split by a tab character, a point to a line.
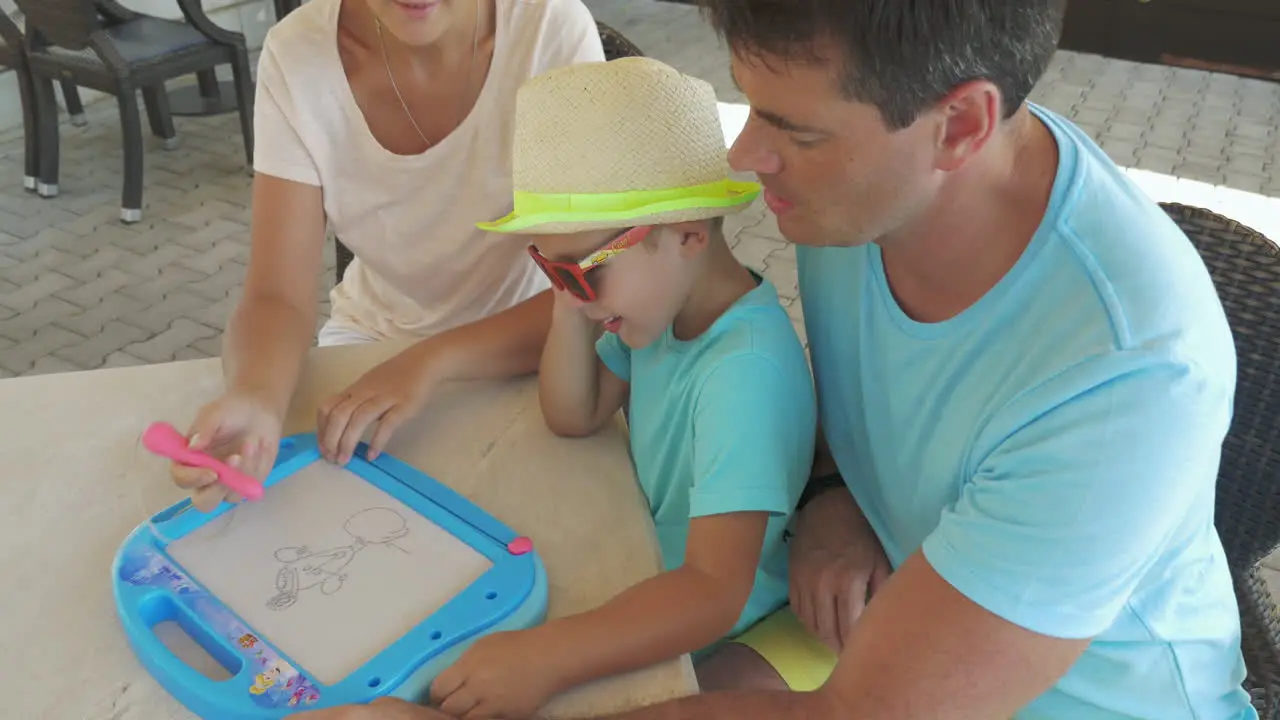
329	568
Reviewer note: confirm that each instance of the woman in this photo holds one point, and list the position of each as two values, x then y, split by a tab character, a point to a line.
392	121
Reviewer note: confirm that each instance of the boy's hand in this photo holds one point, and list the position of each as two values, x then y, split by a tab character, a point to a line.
566	308
575	389
508	675
380	709
388	395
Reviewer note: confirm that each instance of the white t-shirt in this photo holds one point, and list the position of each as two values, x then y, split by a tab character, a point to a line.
421	264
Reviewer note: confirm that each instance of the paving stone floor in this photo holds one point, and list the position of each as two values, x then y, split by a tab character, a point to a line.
79	290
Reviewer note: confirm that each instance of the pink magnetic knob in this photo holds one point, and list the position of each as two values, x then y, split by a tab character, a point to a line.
520	546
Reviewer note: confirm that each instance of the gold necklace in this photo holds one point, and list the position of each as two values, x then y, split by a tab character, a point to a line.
475	36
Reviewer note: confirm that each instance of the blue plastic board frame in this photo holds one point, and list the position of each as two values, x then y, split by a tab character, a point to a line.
151	588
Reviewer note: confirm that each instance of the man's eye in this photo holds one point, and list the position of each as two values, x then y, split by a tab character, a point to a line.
805	141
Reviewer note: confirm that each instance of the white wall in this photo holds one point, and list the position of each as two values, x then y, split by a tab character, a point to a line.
251	17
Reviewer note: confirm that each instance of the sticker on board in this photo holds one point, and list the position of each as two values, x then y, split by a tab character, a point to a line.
340	585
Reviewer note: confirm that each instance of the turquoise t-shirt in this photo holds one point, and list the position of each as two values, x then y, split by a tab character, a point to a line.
1053	449
724	422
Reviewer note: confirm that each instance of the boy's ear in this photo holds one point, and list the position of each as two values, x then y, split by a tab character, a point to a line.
694	236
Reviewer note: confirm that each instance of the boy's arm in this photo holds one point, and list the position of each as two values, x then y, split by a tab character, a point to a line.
750	446
673	613
577	391
753	425
682	610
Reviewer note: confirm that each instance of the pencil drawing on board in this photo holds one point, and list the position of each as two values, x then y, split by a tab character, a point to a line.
327	569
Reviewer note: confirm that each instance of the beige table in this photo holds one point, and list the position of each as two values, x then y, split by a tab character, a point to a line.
75	483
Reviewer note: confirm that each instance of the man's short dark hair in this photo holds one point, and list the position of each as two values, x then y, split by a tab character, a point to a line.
902	55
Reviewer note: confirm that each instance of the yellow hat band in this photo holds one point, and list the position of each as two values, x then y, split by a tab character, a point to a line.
532	209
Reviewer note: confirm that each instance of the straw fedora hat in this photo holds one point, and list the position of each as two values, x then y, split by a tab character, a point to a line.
614	144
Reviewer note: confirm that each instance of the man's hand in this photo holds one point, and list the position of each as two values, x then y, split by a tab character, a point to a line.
388	395
507	675
836	564
380	709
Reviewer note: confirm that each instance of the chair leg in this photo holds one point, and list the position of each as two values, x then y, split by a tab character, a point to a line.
30	129
158	115
131	130
75	108
46	116
207	81
244	99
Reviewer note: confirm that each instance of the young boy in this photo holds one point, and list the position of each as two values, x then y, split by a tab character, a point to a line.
621	174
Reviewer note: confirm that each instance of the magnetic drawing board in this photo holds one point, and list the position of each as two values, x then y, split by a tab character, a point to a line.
329	567
339	585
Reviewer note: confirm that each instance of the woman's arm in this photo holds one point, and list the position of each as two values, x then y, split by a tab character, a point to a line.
578	393
273	325
505	344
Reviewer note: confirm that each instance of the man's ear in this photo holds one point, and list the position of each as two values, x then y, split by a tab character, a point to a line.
969	115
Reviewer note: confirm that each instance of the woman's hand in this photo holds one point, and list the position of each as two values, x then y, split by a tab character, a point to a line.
508	675
237	428
388	395
836	564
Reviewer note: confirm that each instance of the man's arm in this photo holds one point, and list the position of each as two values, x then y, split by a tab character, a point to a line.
836	560
825	474
923	651
920	649
1079	484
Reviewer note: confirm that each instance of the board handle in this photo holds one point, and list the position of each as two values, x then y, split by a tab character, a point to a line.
156	608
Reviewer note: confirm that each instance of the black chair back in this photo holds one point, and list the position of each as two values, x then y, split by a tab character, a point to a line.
67	24
1245	267
10	33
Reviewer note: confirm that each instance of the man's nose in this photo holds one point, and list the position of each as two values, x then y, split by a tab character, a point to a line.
749	154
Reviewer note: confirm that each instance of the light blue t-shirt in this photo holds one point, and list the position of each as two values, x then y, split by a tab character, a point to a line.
724	422
1053	449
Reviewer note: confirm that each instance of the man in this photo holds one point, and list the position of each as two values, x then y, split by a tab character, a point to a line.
1024	375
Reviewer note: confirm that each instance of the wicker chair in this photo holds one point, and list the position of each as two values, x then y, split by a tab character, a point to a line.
1245	267
615	44
102	45
13	55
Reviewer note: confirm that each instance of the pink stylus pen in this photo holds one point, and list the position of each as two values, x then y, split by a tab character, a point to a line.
164	439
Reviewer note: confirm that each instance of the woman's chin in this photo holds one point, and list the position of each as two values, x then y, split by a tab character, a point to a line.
415	10
416	24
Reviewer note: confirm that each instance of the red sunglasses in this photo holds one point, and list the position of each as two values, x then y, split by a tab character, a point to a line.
577	278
